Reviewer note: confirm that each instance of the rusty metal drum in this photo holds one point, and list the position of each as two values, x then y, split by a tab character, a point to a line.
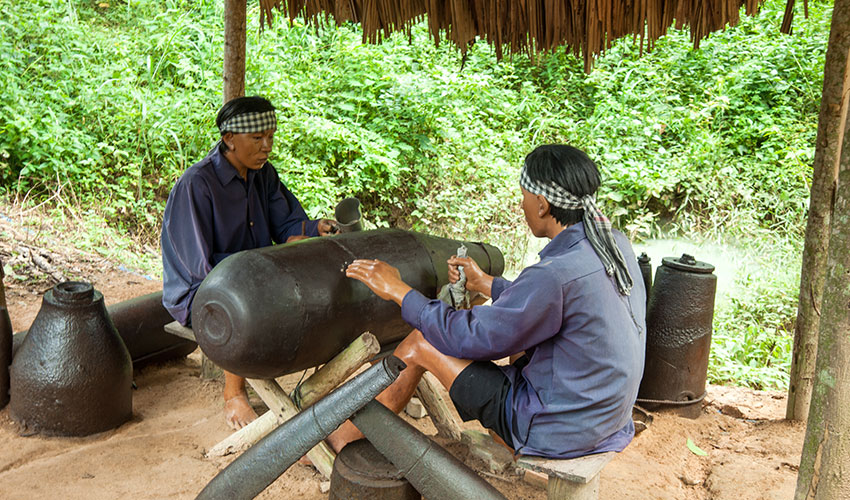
679	326
270	311
360	472
72	375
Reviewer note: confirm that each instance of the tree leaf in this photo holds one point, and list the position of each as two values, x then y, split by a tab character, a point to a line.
696	450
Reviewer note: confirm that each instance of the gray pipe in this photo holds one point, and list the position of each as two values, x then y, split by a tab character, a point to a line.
247	476
433	471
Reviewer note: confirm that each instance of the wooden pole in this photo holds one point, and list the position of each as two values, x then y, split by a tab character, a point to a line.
831	128
329	376
235	15
441	415
823	473
283	407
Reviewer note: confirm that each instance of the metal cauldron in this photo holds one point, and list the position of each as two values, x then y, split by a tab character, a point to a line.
72	375
679	324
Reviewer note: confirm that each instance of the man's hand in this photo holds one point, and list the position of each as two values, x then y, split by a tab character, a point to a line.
476	279
380	277
297	237
327	227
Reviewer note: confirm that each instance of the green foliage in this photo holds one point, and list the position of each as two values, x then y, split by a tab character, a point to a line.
753	338
104	107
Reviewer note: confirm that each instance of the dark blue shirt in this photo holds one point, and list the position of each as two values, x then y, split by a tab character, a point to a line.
585	344
212	213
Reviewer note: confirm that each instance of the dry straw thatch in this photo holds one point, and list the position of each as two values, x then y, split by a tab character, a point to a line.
586	27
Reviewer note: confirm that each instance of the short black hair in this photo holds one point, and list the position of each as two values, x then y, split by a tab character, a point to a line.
567	167
240	105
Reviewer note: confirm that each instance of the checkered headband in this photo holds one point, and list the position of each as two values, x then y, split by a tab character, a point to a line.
249	123
597	227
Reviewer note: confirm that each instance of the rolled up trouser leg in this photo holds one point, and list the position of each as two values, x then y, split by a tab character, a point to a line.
247	476
433	471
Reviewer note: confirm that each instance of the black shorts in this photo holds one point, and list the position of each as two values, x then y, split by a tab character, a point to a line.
479	393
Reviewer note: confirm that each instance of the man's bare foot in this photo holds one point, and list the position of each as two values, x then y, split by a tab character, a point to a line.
238	412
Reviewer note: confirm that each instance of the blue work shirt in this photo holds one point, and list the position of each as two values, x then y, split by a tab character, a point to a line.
212	213
585	342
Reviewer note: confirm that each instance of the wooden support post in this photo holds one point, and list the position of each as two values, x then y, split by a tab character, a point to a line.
336	370
277	400
342	366
444	420
235	22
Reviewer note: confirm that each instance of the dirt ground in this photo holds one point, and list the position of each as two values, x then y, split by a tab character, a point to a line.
752	453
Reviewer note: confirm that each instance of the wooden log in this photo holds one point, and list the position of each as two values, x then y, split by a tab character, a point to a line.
283	407
342	366
235	22
242	439
444	420
336	370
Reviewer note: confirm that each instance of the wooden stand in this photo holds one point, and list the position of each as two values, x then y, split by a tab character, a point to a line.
441	415
570	479
282	407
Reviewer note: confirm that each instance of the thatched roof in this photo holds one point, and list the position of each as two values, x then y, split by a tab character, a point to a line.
586	27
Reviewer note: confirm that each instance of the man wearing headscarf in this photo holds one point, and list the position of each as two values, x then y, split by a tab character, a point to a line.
232	200
573	325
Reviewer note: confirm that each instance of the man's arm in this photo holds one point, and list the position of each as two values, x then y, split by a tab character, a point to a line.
187	232
286	216
527	313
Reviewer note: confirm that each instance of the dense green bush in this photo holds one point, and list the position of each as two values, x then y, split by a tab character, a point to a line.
111	103
104	105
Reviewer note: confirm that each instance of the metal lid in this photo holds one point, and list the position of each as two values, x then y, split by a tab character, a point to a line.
688	263
643	258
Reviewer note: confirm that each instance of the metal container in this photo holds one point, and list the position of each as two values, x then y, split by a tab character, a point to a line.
361	473
679	324
645	264
271	311
5	344
72	375
140	322
347	215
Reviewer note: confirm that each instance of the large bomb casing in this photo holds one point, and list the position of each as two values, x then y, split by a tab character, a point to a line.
679	325
271	311
72	375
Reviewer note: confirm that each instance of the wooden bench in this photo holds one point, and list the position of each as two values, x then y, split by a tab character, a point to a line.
570	479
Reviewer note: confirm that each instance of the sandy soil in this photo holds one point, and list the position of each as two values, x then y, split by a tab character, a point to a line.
752	453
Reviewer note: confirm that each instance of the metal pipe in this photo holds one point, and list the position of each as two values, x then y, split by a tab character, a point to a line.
140	322
247	476
433	471
271	311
